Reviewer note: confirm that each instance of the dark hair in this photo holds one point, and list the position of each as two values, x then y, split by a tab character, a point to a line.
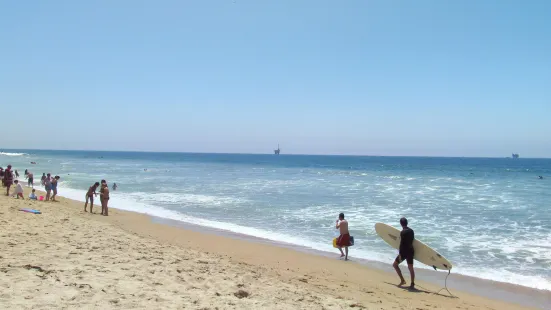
16	181
404	221
103	181
341	215
96	184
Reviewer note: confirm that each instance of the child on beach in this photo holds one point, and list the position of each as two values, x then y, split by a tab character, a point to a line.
18	190
33	195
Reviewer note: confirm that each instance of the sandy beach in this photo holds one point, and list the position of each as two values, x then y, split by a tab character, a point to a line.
67	259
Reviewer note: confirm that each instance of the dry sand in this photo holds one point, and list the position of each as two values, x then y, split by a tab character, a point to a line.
67	259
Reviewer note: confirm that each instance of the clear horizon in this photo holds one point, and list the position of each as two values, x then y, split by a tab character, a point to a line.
6	150
431	78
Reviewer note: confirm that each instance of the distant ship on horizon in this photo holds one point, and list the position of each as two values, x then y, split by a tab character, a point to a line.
277	151
515	155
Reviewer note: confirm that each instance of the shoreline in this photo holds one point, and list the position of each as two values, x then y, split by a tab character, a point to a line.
503	291
439	276
267	253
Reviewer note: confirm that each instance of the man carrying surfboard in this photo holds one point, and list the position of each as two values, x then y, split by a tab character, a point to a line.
344	238
405	252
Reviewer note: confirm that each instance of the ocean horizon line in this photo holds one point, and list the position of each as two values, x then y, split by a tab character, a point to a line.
267	154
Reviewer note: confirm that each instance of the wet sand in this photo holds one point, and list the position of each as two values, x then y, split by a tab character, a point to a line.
65	258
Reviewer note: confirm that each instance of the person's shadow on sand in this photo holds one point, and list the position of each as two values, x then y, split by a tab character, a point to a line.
417	290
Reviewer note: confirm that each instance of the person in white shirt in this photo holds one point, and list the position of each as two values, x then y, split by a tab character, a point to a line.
33	195
18	190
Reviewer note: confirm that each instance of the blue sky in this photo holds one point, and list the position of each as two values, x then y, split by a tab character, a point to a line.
453	78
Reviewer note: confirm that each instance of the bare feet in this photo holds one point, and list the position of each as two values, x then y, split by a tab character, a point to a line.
402	283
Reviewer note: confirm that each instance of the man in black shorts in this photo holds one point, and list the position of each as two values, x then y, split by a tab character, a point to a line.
405	252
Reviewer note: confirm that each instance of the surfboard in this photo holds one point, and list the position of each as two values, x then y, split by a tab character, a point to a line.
31	211
422	252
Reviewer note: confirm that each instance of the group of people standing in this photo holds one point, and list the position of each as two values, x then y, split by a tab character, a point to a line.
405	250
50	187
103	197
9	178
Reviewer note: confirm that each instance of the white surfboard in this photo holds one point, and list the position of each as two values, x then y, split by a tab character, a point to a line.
422	252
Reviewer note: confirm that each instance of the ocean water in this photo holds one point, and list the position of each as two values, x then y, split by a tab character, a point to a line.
490	217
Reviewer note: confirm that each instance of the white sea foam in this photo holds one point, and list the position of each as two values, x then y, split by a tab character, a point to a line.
13	154
364	248
124	202
183	198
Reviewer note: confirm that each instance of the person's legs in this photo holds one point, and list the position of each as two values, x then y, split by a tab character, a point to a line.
346	251
20	195
86	203
55	193
106	212
8	185
340	244
48	192
411	271
102	205
397	262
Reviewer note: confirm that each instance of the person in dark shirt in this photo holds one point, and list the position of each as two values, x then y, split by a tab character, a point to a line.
405	252
8	179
